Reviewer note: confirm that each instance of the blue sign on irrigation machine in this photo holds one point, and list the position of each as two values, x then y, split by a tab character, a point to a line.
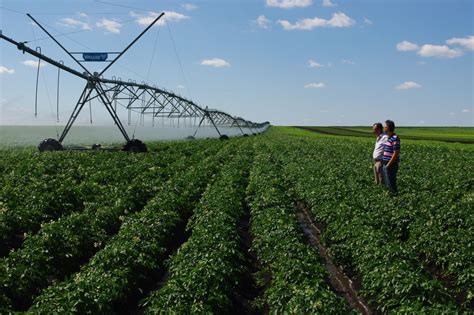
95	56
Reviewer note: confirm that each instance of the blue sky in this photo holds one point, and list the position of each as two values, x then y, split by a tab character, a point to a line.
291	62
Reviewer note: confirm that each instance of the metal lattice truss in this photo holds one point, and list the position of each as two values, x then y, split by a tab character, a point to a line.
159	103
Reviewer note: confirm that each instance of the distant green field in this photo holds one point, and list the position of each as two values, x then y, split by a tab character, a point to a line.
447	134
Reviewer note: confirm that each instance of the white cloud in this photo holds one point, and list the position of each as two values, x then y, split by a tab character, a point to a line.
314	64
347	62
189	6
328	3
407	46
338	20
408	85
263	22
82	14
314	85
181	86
367	21
70	22
439	51
466	42
170	16
466	110
109	25
33	63
6	70
215	62
306	24
288	4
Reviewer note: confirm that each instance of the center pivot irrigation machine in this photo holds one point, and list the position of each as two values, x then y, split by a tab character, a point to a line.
141	98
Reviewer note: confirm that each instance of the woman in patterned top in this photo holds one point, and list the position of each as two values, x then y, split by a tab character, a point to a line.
391	156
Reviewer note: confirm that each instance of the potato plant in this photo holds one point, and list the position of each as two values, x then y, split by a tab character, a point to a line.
205	272
136	252
175	230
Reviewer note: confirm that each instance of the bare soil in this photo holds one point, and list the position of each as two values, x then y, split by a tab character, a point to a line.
339	281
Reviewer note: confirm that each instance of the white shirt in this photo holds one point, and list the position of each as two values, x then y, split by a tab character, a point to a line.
378	150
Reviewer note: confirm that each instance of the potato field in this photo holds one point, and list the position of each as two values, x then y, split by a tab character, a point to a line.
287	222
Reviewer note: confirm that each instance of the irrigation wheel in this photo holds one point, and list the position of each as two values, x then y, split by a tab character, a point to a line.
50	145
135	145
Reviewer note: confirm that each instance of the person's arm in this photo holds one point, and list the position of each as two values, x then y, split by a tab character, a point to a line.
394	158
396	153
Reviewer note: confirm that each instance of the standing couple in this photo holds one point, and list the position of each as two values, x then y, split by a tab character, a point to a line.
386	155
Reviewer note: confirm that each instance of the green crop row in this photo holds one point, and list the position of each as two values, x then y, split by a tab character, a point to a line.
206	270
297	282
99	228
35	190
47	186
440	209
133	257
366	229
62	246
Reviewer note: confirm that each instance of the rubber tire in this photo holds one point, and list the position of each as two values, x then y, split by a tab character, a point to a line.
50	145
135	146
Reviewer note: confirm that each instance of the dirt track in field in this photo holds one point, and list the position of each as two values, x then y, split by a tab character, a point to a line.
338	280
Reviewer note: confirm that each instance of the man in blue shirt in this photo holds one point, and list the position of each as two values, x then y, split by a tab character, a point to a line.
391	156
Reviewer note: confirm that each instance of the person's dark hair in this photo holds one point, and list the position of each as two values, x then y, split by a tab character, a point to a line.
391	125
378	125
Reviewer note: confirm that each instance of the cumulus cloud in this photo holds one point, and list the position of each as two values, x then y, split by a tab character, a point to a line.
82	14
111	26
439	51
263	22
6	70
466	110
368	22
314	64
328	4
180	86
33	63
408	85
189	6
170	16
338	20
70	22
407	46
314	85
466	42
215	62
288	4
